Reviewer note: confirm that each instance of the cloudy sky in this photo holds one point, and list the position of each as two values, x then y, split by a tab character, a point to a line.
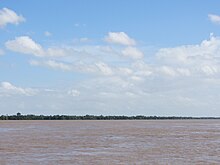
145	57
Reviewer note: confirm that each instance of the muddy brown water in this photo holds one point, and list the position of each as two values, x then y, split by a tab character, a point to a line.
110	142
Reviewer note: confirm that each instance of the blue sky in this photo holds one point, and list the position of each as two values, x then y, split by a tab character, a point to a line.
110	57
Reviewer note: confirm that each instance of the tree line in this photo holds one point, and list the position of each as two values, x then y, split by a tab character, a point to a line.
94	117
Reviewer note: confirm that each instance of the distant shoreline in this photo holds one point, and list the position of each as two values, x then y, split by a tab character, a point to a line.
94	117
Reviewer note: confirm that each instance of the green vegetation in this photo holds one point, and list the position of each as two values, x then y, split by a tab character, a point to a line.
19	116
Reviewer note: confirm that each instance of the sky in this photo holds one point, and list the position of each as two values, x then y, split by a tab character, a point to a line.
145	57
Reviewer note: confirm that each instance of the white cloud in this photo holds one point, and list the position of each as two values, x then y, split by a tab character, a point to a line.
185	60
210	70
133	53
104	68
183	71
25	45
58	65
167	71
99	68
214	18
173	82
120	38
7	89
52	64
8	16
142	69
207	51
124	71
73	92
191	60
47	34
1	52
55	52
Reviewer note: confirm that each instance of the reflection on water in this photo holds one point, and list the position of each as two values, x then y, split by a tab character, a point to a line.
110	142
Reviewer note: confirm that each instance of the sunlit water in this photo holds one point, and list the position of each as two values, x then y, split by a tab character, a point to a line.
110	142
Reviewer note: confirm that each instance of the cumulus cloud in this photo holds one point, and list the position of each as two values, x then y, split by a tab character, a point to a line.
186	60
174	79
7	88
52	64
98	68
58	65
214	18
120	38
188	54
133	53
25	45
190	60
8	16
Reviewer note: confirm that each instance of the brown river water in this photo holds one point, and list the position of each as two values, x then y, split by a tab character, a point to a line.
110	142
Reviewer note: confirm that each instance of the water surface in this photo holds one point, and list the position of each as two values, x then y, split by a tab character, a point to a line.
110	142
